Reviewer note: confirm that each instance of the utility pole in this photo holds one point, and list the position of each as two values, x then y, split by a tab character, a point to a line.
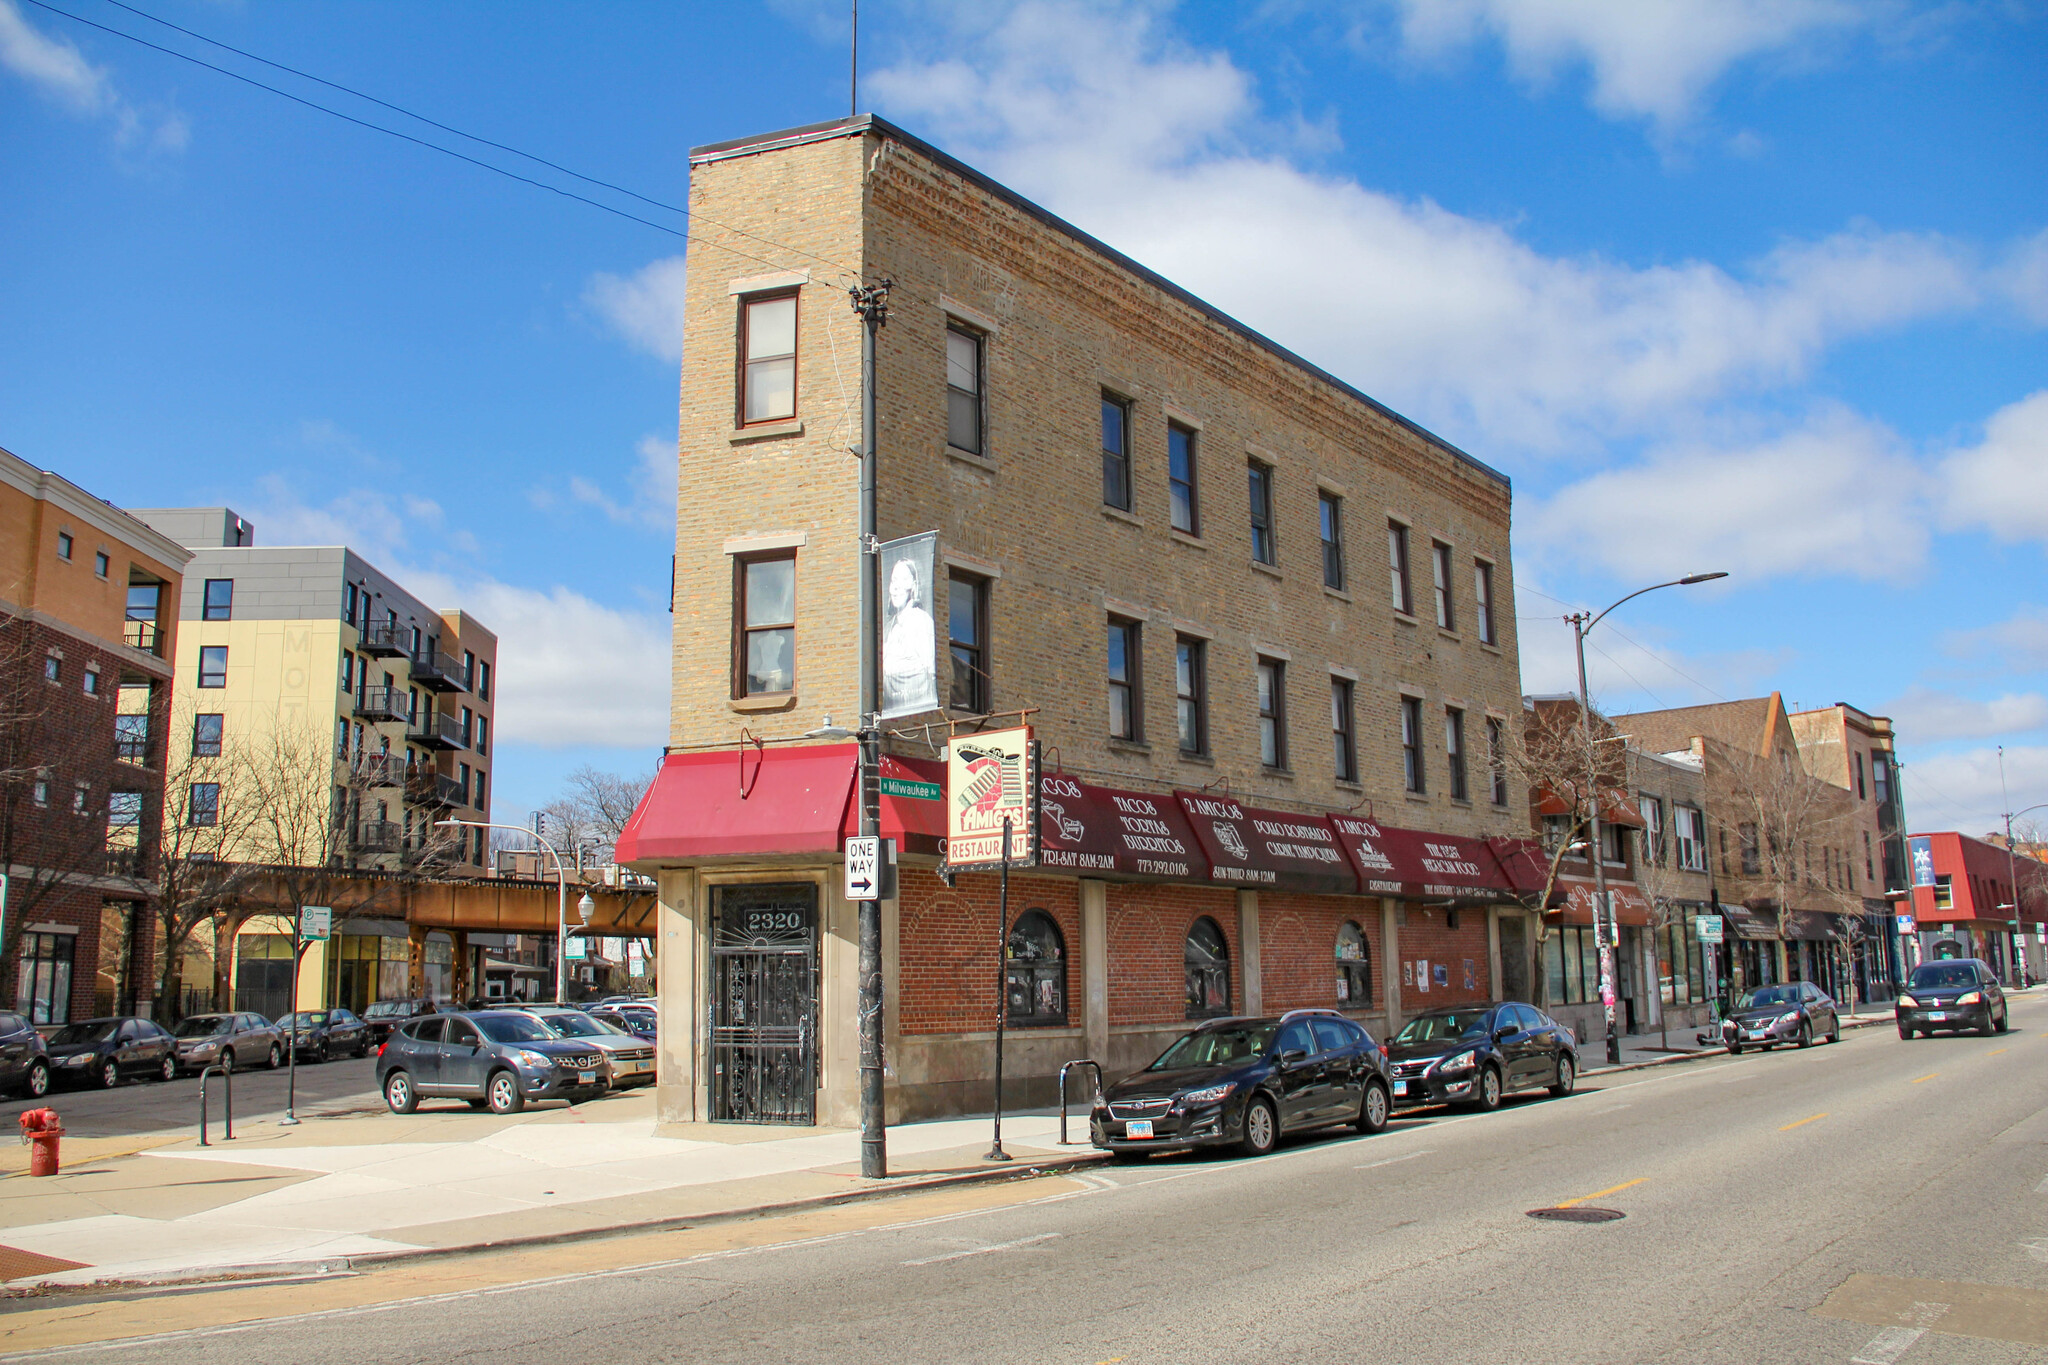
871	305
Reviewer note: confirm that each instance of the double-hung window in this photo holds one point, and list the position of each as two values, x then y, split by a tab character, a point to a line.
1125	678
1116	453
767	349
1261	479
1440	574
1454	752
1330	510
213	666
967	632
1397	567
1273	713
964	412
1497	759
765	661
220	600
1652	808
202	805
1411	745
1180	478
207	729
1691	829
1343	729
1191	693
1482	601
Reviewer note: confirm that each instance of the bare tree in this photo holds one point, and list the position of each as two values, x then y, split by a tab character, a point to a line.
1790	826
1548	757
593	812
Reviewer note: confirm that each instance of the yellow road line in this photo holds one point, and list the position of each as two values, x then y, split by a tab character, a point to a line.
1928	1077
1802	1123
1994	1052
1611	1189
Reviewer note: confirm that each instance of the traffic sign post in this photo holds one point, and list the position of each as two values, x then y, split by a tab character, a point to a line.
316	924
313	924
864	868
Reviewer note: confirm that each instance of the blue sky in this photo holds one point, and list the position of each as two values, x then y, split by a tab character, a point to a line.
1756	285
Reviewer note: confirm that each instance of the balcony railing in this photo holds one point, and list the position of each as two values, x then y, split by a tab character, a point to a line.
437	730
439	670
383	704
143	635
381	770
377	836
428	788
385	640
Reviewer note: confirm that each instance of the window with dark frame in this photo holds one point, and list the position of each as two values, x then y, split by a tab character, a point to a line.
202	806
1497	759
1035	972
1180	478
1330	525
213	666
1861	793
1343	728
1454	752
64	545
219	604
207	732
1191	693
1116	452
1752	851
967	635
767	350
964	414
1440	575
1260	478
1397	567
1273	712
1411	744
1205	955
1354	968
766	614
1126	702
348	603
1482	601
102	563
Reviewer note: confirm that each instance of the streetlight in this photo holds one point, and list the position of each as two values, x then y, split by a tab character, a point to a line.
561	899
1582	626
2012	877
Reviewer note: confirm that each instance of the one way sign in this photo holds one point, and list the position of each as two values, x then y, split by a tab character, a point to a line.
864	868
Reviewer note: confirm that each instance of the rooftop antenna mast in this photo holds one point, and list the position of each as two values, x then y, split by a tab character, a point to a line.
853	69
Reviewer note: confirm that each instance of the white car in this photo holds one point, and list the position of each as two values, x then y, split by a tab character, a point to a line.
629	1061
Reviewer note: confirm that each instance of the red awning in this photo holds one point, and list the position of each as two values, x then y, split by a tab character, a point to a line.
1280	849
1096	830
1420	865
1524	862
1630	905
916	822
1615	808
779	800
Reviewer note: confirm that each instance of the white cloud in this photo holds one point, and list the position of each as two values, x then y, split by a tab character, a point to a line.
1819	499
1963	791
2018	644
645	308
652	498
1651	61
2002	482
1165	153
2024	274
60	71
1931	716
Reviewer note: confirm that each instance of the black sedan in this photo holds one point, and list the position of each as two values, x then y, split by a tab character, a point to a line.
320	1034
1956	994
1245	1082
101	1051
1769	1015
1475	1054
384	1016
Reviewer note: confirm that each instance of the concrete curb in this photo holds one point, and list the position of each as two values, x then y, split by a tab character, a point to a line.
1604	1070
25	1291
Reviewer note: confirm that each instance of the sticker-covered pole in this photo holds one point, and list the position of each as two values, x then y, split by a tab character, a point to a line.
996	1152
871	305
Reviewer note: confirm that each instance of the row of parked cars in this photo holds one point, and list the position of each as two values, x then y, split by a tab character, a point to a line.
503	1059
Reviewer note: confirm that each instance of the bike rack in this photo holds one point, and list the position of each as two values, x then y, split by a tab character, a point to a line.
1094	1066
227	1101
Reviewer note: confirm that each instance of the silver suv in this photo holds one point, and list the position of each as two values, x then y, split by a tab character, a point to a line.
495	1059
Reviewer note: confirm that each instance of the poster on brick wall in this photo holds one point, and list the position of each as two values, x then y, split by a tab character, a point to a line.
910	634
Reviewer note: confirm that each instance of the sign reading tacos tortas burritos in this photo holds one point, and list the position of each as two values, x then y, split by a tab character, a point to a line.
991	777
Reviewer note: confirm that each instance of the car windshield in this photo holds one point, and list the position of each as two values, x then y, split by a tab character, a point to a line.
1933	976
205	1025
576	1025
1448	1027
84	1033
384	1009
1216	1047
513	1028
1763	997
304	1019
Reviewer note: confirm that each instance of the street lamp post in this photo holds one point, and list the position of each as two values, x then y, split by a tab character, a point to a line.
561	899
1607	936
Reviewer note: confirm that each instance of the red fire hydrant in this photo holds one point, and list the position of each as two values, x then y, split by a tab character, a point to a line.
41	1129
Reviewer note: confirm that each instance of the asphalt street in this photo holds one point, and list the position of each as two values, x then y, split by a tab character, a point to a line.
1873	1200
154	1106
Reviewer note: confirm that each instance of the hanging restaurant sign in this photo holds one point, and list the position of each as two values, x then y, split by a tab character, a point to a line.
990	778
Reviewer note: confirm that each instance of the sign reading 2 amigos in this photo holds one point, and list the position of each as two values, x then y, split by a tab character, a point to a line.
991	777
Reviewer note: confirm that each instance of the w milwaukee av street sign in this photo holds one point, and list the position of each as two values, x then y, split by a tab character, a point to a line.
991	777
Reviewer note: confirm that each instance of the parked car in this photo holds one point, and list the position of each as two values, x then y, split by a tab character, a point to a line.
1769	1015
496	1059
1958	993
101	1051
638	1020
320	1034
629	1060
208	1039
1246	1082
24	1057
379	1019
1476	1054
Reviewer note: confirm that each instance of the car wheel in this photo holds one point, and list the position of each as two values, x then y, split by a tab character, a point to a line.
227	1059
320	1052
1905	1034
1488	1098
1261	1127
110	1076
1805	1038
168	1071
502	1092
1835	1030
1985	1030
276	1057
1567	1076
1373	1109
399	1094
36	1083
2004	1020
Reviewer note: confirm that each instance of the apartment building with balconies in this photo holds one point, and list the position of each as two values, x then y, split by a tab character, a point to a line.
88	634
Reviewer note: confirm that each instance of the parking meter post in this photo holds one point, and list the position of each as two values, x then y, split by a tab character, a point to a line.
996	1152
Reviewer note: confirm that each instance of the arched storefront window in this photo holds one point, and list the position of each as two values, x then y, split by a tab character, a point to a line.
1035	968
1207	958
1354	968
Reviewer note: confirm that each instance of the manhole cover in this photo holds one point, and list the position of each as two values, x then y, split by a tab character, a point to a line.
1578	1215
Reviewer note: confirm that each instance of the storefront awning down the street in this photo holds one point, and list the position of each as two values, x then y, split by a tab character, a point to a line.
1761	926
1417	865
1631	906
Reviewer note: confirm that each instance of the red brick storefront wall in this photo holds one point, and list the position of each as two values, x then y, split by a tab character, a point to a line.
1148	929
946	946
1427	938
1298	950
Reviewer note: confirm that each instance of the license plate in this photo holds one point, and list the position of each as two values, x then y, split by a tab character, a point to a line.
1138	1128
1400	1087
1759	1033
1937	1014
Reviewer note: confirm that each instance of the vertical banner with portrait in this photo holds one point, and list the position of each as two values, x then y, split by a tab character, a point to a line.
910	634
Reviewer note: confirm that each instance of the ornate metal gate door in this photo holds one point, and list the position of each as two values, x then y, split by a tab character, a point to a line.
764	1004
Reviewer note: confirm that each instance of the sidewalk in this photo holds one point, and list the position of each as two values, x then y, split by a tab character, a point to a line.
285	1200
